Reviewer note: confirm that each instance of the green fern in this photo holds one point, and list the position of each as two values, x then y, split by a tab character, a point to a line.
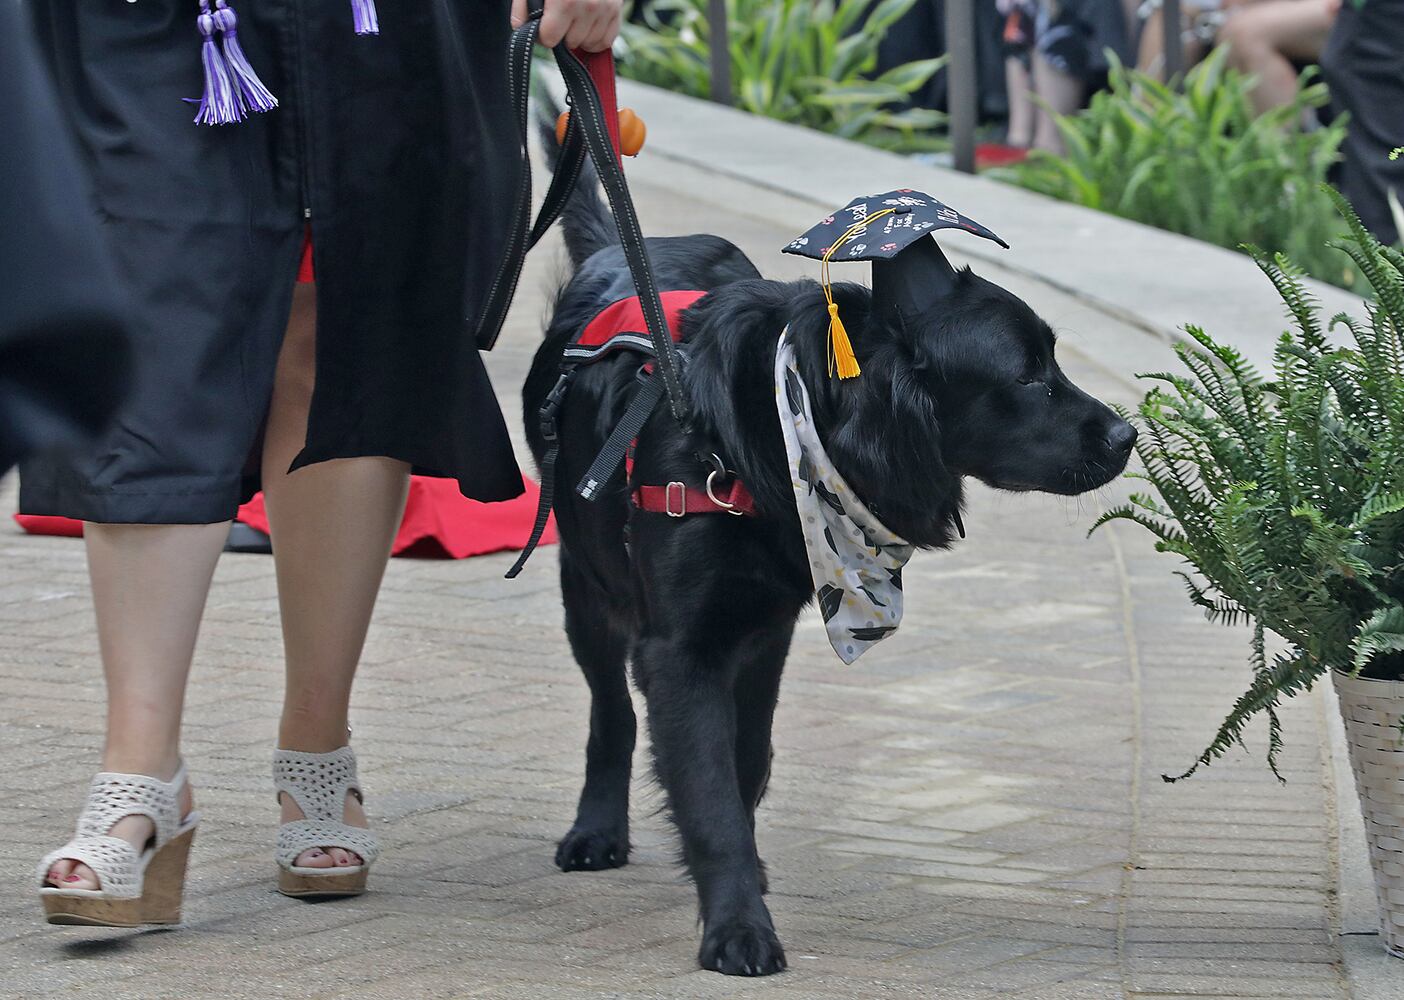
1286	496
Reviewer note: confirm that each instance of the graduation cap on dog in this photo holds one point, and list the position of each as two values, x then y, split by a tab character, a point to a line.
910	273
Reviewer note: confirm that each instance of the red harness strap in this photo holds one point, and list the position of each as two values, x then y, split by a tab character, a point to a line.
617	327
679	500
625	318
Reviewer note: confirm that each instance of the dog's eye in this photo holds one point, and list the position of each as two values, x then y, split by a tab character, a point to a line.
1038	382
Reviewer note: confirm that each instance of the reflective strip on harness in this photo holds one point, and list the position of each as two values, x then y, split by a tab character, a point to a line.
621	325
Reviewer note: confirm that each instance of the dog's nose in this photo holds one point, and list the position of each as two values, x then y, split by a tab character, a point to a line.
1121	437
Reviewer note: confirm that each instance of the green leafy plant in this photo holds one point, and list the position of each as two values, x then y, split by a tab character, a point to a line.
1286	495
1201	162
802	61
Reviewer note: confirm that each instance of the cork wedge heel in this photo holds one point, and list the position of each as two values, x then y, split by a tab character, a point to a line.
162	890
319	783
135	887
326	882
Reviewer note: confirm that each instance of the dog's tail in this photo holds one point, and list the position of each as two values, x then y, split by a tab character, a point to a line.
585	221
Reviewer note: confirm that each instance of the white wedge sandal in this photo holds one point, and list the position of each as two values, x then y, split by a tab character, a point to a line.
135	887
319	783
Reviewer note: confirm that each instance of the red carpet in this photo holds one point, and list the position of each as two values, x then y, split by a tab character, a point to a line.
997	154
439	522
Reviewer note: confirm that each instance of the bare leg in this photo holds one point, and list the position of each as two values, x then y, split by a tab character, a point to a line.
1265	38
333	524
149	583
1062	95
1150	50
1021	104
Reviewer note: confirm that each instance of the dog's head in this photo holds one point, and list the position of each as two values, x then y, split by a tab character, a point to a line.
959	378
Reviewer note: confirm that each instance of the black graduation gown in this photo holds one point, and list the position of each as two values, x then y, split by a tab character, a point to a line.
63	337
397	150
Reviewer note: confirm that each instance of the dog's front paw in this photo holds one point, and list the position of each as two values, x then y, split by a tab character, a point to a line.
741	948
591	850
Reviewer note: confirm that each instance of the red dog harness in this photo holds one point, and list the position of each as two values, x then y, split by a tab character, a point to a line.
618	327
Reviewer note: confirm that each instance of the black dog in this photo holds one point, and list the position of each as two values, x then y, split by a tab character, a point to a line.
704	606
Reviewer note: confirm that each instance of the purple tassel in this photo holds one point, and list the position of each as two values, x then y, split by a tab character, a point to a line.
221	103
364	16
252	93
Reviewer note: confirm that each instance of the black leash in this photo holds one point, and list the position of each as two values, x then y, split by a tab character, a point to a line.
572	157
586	122
586	131
549	410
585	105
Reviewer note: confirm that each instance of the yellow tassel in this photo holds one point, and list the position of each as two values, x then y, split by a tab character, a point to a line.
841	357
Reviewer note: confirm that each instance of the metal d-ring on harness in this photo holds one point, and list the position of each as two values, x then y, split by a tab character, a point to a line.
588	129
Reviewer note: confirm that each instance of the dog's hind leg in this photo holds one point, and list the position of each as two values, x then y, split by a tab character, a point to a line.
756	692
600	837
689	683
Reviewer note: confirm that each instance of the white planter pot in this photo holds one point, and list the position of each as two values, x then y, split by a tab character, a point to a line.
1373	712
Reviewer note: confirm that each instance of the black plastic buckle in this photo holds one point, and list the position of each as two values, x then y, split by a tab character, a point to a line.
552	405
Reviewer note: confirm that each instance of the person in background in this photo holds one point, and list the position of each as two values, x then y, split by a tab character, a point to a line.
1199	24
1364	66
1055	53
1267	38
1271	38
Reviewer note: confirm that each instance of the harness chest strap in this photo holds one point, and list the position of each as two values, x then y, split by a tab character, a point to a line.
677	499
616	327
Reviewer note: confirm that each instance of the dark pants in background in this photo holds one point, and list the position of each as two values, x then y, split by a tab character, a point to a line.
1364	66
921	34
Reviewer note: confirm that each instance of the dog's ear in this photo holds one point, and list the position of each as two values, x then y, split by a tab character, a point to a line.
917	280
883	430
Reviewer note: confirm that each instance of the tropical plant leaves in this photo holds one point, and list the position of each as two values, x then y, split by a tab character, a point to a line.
1285	495
805	61
1202	162
1382	633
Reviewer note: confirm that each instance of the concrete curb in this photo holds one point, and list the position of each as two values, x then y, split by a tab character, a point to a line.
1080	252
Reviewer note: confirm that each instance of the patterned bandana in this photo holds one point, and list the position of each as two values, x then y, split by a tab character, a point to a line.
856	563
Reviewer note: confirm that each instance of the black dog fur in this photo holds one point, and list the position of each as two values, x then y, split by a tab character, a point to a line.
704	606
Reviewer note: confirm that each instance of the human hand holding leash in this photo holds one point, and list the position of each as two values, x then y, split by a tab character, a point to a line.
589	25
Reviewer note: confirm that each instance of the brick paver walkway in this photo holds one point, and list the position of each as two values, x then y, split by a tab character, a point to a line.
973	810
